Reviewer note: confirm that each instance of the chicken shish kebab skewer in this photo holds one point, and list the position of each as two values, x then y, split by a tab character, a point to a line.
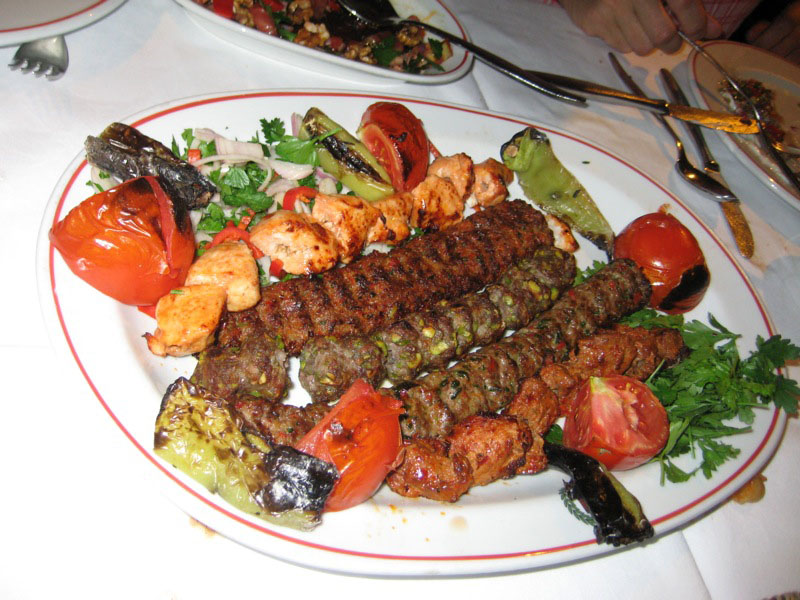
430	339
487	380
339	227
484	448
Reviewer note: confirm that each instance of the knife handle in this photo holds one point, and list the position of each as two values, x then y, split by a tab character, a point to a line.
607	93
676	95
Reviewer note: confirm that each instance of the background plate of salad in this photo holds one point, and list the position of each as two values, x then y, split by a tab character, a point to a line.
278	46
506	526
767	74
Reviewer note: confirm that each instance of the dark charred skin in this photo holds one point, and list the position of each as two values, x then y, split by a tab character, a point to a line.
126	153
617	513
694	283
342	152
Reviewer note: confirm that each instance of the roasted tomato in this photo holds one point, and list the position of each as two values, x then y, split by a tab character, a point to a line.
616	420
397	139
670	258
361	437
128	242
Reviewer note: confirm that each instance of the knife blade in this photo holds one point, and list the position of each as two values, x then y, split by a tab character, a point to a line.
706	118
732	210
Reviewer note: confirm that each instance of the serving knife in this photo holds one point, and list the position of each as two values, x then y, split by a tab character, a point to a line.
706	118
730	208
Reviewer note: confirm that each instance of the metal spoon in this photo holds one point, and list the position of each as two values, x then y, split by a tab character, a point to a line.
695	176
382	14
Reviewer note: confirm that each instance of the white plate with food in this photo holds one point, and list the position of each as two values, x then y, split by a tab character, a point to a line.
774	75
329	58
508	525
22	21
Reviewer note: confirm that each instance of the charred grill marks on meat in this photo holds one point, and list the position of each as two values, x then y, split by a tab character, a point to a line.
378	289
431	339
488	379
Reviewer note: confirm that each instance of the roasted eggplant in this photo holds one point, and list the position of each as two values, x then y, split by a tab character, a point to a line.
618	516
344	157
197	433
126	153
553	188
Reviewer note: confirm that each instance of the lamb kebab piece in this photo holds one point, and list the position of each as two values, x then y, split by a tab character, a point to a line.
487	447
431	339
445	468
487	380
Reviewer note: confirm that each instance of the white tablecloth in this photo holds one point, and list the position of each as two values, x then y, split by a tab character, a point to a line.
76	524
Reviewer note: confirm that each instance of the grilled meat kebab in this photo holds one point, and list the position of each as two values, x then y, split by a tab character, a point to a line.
431	339
487	447
488	379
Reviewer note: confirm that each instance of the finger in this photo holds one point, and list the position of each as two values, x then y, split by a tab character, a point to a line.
714	28
755	31
635	35
774	33
691	17
649	27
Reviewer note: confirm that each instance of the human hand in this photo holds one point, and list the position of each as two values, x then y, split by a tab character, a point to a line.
642	26
782	36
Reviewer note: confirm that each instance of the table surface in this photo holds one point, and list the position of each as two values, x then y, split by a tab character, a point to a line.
75	523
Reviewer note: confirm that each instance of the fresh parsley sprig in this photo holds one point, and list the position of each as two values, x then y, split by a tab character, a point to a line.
707	392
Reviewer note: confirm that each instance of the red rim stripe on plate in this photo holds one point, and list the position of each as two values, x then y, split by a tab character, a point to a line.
58	20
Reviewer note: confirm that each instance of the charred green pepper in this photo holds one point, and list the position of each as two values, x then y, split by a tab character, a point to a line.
618	516
197	433
553	188
345	158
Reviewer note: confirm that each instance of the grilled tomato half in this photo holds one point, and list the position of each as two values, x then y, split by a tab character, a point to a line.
128	242
669	257
360	436
617	420
396	137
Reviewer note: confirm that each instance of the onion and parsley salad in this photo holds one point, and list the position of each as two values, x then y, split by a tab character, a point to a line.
250	187
708	391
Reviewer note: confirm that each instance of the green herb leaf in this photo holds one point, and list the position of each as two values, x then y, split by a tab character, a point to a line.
584	274
274	130
706	393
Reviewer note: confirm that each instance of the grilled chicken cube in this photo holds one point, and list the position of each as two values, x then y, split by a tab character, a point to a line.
437	204
392	225
457	168
491	182
300	243
186	319
231	266
348	218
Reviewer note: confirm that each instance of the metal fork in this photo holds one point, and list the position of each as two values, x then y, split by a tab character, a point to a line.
766	141
731	209
48	57
382	14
